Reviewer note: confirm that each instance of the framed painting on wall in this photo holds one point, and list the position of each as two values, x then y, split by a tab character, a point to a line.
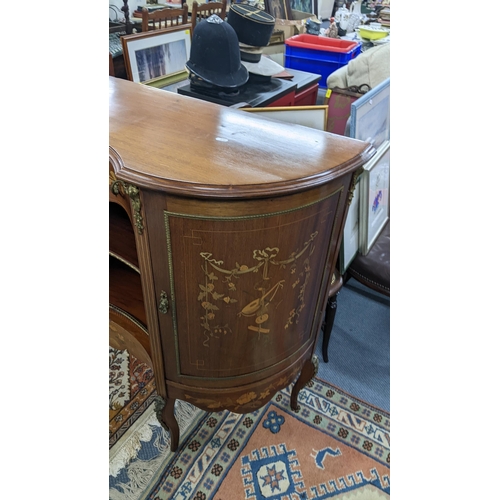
370	115
374	204
302	5
279	9
157	58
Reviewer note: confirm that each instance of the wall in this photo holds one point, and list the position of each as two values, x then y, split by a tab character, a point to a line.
325	8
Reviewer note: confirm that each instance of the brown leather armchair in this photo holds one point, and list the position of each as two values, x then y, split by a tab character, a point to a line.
373	269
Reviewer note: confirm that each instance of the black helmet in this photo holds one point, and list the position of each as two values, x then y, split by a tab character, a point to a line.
215	54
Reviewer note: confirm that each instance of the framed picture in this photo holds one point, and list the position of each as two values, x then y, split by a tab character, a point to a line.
349	246
308	116
158	57
370	115
374	204
279	9
302	5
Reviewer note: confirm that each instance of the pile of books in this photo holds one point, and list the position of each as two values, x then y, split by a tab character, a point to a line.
385	17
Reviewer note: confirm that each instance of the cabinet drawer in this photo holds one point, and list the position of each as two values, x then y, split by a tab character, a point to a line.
307	97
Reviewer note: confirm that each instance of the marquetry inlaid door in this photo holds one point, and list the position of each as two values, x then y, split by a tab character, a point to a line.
240	284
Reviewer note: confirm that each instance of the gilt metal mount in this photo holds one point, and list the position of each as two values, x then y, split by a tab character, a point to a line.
355	178
121	188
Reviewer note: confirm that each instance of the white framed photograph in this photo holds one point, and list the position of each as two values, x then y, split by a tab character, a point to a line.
349	246
370	115
308	116
374	201
157	57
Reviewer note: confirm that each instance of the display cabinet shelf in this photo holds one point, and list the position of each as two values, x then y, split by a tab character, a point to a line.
125	294
121	237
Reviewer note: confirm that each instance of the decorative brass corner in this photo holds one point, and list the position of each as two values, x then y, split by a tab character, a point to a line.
355	178
121	188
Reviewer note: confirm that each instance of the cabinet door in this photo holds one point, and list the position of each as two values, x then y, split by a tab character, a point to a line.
244	281
307	97
286	100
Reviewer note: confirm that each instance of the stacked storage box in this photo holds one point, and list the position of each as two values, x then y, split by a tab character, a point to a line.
318	54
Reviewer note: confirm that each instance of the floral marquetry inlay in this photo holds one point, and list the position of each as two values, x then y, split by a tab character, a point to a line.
249	400
221	284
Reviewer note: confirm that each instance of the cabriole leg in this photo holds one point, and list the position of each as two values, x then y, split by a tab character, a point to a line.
309	371
166	416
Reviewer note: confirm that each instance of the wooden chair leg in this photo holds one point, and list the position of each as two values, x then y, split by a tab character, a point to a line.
331	311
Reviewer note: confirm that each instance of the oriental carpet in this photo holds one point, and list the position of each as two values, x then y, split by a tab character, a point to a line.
131	390
334	446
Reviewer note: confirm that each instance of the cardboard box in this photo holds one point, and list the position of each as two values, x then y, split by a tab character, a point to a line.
297	26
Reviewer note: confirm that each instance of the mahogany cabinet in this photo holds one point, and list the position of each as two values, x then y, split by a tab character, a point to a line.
223	231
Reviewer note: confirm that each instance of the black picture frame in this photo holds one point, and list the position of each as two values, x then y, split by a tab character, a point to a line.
138	46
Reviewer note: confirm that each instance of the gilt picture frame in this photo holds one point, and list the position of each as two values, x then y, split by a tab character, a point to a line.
158	57
370	115
374	195
279	9
315	116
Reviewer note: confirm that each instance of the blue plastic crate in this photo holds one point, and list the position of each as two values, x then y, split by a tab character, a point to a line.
302	54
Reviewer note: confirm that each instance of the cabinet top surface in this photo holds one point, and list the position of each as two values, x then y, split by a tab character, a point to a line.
171	142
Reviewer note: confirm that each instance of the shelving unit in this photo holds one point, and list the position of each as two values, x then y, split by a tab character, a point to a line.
121	237
125	288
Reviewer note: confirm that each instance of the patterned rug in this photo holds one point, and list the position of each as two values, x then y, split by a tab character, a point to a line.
133	425
334	446
131	390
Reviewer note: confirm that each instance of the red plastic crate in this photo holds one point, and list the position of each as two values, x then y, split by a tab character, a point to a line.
319	54
315	42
